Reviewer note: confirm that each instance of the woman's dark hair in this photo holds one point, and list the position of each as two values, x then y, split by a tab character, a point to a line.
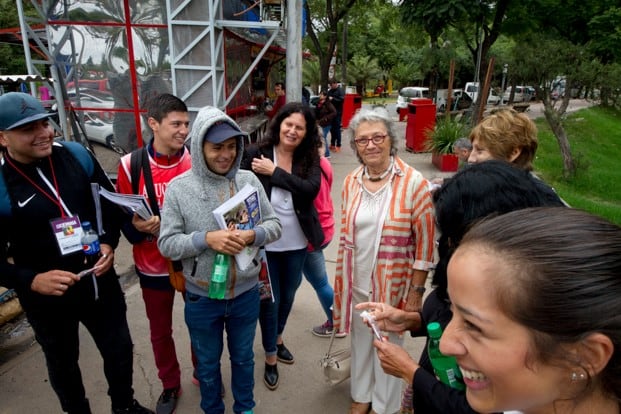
566	283
490	187
306	153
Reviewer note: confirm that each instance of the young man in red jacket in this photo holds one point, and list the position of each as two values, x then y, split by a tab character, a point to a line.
168	157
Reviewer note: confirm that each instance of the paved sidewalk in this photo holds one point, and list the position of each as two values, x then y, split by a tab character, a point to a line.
24	386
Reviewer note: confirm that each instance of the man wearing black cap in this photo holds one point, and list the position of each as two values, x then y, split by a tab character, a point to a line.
336	97
45	195
189	232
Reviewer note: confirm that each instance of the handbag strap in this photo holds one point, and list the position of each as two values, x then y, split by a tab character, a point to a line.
331	342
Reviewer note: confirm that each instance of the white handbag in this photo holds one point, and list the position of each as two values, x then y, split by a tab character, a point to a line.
336	365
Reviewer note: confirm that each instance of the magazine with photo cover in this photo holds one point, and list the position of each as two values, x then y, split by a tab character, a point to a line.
243	212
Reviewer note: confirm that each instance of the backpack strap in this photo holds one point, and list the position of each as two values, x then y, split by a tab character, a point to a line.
139	160
81	154
148	182
135	165
5	201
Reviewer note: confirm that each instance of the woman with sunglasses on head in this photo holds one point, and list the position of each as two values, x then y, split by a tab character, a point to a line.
385	251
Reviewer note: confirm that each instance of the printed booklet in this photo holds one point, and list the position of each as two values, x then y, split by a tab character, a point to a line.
243	212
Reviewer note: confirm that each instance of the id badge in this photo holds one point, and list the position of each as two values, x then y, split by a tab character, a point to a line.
68	233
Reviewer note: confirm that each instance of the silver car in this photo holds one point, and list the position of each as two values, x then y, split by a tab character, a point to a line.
407	94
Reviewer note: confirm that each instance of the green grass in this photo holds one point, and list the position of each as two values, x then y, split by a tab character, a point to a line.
380	101
595	140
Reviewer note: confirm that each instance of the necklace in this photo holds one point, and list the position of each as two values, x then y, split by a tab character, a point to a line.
381	176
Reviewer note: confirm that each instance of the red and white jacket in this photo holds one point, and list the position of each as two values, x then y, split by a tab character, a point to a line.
147	256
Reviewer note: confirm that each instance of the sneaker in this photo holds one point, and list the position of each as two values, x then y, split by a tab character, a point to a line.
325	331
337	149
332	147
134	408
167	402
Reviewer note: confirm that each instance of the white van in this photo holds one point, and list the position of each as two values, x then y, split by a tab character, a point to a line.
407	94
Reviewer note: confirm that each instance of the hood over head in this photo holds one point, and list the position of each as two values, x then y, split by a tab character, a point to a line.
214	126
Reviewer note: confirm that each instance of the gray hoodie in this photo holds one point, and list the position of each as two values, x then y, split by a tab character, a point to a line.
187	213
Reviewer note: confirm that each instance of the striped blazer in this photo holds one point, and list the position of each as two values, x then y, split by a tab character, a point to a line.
406	241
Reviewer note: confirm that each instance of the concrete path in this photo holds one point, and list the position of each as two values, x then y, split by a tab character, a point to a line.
24	386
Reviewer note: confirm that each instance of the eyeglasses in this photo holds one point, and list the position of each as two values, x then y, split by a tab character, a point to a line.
364	141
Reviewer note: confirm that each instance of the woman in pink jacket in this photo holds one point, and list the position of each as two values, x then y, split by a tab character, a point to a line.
315	264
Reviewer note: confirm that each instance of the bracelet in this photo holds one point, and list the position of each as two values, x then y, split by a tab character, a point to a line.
418	289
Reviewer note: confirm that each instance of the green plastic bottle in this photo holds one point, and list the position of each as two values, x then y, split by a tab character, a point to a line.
219	274
445	367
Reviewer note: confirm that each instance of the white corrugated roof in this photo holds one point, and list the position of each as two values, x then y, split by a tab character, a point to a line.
23	78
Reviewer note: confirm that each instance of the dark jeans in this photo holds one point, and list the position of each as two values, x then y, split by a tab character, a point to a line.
286	275
335	131
207	319
56	330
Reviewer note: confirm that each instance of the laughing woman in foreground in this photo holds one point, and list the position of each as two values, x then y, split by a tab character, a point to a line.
536	313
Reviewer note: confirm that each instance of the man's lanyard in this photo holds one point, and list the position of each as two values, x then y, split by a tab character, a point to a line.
54	189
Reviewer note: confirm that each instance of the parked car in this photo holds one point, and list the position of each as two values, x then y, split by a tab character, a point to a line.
522	94
460	100
101	132
409	93
493	98
92	84
93	99
532	93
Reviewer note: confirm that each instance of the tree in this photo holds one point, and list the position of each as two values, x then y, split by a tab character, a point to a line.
580	45
13	60
323	17
376	31
362	69
311	73
479	23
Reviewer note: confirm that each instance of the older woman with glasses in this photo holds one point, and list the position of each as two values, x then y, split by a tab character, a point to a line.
385	250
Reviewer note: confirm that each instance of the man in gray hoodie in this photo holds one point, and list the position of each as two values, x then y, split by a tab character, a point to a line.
189	232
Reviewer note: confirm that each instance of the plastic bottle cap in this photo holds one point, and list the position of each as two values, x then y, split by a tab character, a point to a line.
434	329
86	225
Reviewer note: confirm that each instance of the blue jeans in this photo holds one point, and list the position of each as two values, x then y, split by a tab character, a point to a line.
207	319
286	275
326	130
315	272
